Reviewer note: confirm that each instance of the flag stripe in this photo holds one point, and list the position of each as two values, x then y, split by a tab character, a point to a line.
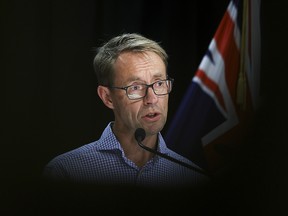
212	86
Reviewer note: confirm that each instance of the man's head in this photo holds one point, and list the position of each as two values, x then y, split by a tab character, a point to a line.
109	52
133	82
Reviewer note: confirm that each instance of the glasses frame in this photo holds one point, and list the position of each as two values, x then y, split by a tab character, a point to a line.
147	87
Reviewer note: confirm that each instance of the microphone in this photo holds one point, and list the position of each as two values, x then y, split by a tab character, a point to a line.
140	135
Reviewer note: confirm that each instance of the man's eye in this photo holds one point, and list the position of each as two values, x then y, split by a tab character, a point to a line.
160	83
135	87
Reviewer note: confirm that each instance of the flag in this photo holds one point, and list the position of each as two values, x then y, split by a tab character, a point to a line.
224	92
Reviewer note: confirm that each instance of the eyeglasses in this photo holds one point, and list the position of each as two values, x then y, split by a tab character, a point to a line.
138	91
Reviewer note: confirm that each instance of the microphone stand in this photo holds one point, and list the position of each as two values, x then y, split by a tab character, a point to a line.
139	138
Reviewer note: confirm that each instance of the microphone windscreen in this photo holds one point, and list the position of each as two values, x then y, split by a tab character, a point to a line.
140	134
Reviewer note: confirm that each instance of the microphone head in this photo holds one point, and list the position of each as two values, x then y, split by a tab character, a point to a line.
140	134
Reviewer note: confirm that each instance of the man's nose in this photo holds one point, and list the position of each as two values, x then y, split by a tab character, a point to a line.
150	97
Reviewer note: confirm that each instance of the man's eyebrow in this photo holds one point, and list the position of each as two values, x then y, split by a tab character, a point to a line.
137	78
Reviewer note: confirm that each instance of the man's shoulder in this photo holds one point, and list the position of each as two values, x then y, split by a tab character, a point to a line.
74	154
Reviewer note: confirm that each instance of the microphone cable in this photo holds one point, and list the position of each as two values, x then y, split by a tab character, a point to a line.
140	135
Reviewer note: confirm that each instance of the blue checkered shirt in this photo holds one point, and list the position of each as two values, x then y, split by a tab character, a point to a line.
104	162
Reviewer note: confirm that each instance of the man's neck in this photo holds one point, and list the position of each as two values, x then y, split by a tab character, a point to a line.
131	148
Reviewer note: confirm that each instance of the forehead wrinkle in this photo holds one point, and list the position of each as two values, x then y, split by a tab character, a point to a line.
137	65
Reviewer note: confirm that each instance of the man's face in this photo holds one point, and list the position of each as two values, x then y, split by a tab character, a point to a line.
150	112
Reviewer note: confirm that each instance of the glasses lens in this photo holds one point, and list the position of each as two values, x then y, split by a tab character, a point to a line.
136	91
162	87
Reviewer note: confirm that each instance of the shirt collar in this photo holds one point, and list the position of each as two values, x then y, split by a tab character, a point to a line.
110	142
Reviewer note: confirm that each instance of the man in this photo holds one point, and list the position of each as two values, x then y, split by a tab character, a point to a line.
133	82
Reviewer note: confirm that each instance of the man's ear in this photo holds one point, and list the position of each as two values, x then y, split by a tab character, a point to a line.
104	94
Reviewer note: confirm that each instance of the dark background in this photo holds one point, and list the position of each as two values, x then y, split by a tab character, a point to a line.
51	103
